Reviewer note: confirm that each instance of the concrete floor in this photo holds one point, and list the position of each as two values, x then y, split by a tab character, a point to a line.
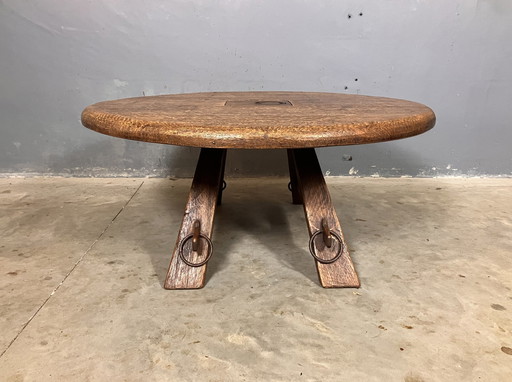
83	261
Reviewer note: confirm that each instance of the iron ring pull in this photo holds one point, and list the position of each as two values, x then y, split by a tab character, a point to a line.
196	235
327	237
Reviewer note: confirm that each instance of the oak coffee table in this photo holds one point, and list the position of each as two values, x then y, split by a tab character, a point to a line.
296	121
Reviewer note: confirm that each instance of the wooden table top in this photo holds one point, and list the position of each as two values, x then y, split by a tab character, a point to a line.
259	120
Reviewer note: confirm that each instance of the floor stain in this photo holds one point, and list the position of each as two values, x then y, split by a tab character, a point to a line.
413	378
506	350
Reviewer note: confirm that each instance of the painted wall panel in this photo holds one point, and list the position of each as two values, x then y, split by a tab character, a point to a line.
57	57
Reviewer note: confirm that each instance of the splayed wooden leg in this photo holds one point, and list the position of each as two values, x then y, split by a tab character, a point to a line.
333	262
186	270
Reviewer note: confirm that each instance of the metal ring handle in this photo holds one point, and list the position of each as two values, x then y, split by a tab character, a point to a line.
290	186
312	247
182	245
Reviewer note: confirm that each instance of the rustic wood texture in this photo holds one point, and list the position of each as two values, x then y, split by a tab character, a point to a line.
296	196
222	181
318	206
259	120
201	205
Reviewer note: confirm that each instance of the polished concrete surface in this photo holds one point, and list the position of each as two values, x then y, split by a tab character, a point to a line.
83	261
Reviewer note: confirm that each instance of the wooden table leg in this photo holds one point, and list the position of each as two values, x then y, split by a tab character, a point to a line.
293	185
201	204
222	181
323	223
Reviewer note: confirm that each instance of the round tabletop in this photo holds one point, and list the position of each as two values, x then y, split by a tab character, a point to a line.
259	120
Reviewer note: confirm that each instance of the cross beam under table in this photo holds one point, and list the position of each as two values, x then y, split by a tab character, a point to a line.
193	249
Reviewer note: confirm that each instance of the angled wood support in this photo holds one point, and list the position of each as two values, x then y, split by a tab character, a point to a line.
222	181
327	243
293	185
186	270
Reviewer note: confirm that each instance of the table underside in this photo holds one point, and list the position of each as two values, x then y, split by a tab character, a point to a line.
194	247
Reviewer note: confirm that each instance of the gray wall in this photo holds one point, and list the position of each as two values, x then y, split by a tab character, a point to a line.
59	56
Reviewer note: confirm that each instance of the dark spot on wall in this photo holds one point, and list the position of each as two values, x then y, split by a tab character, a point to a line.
355	79
360	13
44	343
346	87
462	276
14	273
407	326
349	16
6	192
498	307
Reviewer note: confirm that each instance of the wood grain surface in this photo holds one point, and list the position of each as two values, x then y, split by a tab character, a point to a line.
294	184
318	206
201	204
259	120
